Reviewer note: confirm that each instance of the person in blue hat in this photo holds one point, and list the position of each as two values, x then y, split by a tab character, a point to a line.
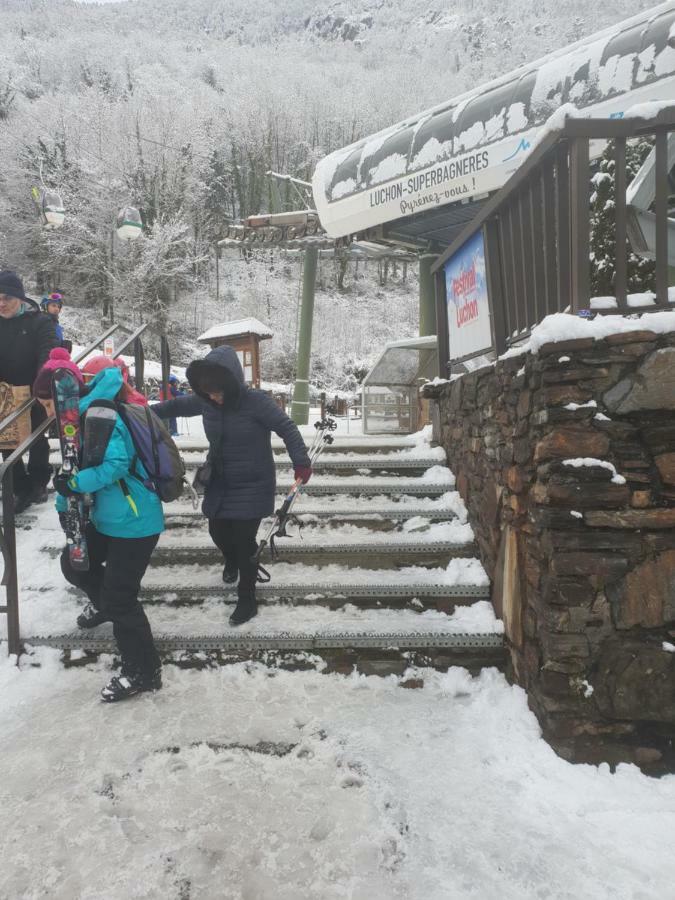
174	391
52	304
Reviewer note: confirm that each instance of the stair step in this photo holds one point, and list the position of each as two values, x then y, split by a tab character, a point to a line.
473	655
370	555
280	627
419	596
374	486
337	464
54	608
105	643
378	519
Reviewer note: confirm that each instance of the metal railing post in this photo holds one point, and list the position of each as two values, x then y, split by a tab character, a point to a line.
661	210
621	261
10	579
495	286
580	225
139	365
166	366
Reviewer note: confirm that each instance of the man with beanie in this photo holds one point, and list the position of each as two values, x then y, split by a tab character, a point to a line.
26	338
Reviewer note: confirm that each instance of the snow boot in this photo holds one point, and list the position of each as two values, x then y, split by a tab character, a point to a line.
127	685
90	617
246	608
230	572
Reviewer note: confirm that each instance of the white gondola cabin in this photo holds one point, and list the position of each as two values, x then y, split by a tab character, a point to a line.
52	209
129	224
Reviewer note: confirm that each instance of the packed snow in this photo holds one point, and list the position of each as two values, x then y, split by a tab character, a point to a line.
564	327
243	783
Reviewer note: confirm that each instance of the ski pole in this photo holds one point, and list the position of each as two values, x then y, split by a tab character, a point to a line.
278	526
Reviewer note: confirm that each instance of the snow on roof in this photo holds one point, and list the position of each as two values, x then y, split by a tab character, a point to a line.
234	329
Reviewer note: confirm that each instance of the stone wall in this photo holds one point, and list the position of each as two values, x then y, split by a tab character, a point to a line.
582	560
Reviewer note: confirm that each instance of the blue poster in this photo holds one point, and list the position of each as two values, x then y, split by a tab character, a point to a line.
469	329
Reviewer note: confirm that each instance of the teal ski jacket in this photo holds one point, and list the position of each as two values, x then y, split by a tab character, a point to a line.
140	513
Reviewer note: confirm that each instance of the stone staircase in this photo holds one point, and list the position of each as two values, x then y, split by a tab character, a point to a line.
380	572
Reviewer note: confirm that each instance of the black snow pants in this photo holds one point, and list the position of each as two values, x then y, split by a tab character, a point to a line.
116	568
236	540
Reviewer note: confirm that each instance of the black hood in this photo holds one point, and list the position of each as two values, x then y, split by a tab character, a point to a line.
223	360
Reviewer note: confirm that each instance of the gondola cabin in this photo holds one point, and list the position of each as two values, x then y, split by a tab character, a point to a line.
52	209
129	224
244	336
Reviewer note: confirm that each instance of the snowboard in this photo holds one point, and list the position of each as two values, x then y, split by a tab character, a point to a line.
66	396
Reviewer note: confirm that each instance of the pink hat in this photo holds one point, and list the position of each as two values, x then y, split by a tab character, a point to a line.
59	358
96	363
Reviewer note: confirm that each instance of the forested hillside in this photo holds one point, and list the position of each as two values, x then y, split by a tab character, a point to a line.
181	106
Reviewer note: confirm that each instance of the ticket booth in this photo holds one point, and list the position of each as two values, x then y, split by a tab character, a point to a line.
244	336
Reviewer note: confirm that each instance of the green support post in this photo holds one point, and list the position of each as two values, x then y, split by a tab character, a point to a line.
300	405
427	295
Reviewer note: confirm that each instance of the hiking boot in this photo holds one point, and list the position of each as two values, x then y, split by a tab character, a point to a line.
127	685
230	572
246	608
90	617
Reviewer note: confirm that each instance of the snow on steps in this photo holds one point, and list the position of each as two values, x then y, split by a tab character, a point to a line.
365	609
337	464
471	636
375	552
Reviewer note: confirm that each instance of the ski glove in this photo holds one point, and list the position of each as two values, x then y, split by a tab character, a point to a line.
303	472
63	521
63	485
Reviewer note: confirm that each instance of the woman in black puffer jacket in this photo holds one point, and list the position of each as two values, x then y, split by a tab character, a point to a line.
238	422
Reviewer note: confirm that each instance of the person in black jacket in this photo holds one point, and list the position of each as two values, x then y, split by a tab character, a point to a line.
238	422
26	337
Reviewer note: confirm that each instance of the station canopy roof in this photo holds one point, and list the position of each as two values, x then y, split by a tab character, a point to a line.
236	329
400	363
420	181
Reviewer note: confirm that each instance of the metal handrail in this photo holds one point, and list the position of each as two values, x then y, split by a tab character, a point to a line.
130	340
8	527
28	404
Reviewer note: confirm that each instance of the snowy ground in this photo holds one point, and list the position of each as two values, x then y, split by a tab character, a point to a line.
250	784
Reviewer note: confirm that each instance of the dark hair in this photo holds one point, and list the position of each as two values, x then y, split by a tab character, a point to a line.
210	381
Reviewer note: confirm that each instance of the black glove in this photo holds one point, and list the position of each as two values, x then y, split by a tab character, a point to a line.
63	521
62	487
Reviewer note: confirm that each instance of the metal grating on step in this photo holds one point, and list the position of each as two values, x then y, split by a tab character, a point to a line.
337	590
412	641
399	511
373	488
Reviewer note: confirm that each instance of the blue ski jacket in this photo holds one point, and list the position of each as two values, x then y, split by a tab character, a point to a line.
113	513
243	482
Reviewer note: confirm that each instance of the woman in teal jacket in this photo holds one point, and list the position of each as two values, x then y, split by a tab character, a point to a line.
126	520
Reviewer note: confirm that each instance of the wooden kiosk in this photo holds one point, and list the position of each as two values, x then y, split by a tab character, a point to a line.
244	336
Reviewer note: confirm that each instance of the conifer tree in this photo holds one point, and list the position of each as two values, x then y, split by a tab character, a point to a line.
603	230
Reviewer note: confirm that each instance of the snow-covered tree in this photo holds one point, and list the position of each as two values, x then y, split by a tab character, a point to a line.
640	271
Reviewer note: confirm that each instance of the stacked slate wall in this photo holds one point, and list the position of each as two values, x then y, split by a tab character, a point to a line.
582	561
